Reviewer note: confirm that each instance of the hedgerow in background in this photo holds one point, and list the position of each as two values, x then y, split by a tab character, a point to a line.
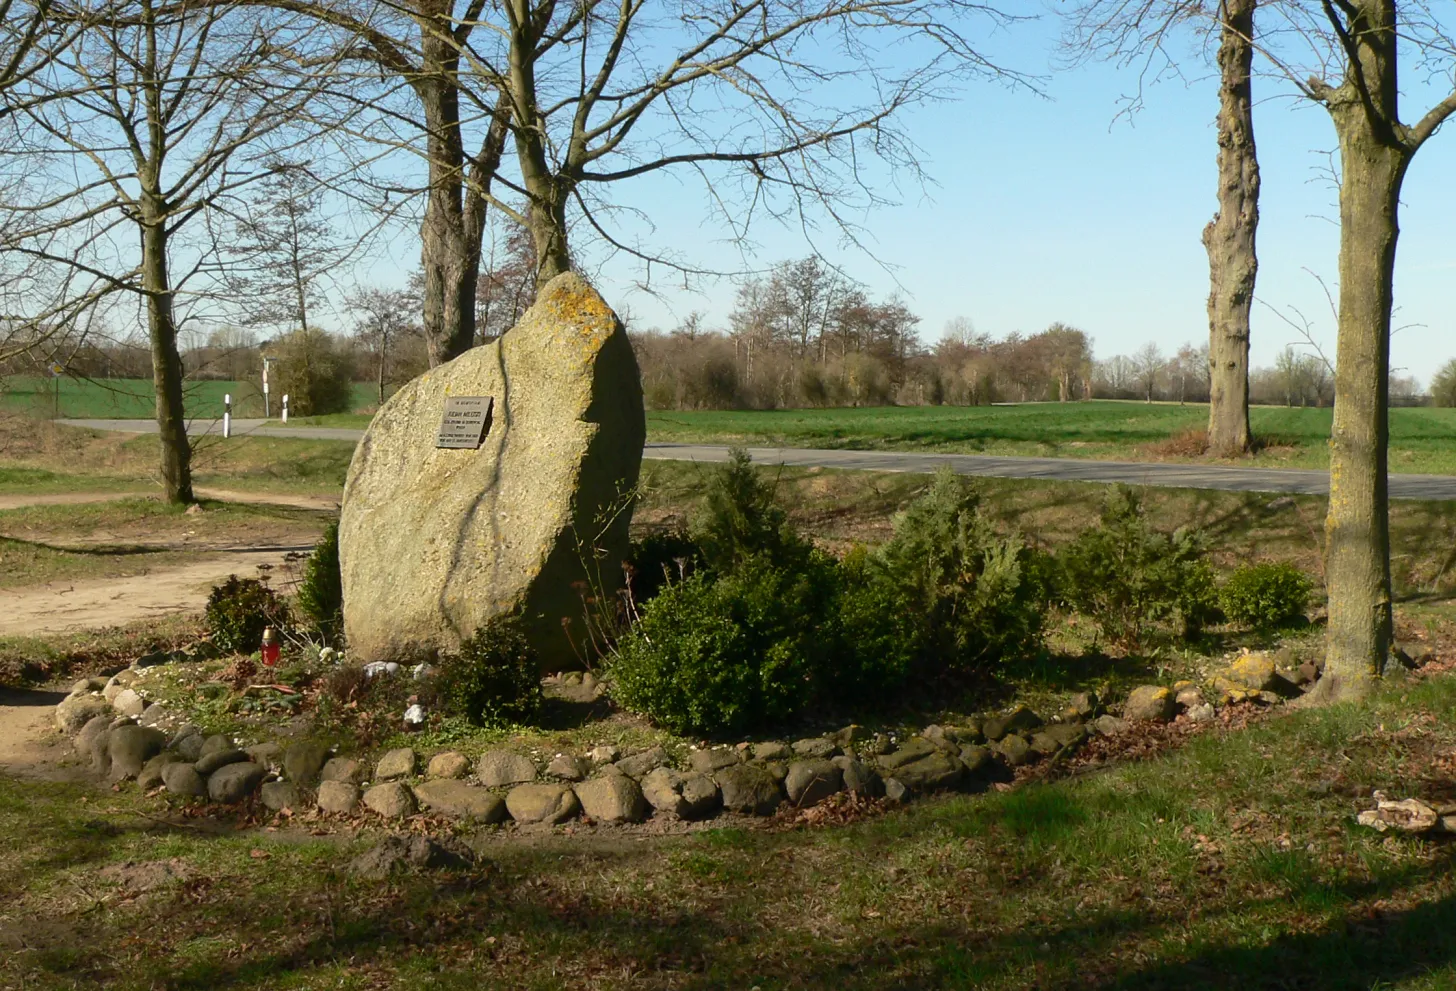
239	610
1266	596
1129	578
321	591
495	678
969	588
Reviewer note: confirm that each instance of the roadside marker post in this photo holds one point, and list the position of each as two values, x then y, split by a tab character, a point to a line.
285	407
227	416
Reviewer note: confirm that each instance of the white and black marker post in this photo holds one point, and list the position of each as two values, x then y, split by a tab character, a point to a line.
227	415
266	412
285	407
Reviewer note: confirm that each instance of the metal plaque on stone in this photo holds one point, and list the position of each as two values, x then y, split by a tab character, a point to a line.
466	421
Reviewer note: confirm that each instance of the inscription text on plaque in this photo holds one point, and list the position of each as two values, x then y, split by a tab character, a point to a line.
466	421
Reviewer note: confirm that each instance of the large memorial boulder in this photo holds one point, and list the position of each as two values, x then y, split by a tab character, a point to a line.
435	541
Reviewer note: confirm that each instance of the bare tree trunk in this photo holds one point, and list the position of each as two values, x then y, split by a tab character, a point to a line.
450	260
176	453
383	356
1357	527
1229	238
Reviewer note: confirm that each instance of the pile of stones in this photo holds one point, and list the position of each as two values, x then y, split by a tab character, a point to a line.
128	738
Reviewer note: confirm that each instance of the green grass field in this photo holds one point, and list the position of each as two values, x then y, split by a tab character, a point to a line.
133	398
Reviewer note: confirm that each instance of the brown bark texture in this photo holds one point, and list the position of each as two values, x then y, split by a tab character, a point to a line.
1229	238
176	451
1375	151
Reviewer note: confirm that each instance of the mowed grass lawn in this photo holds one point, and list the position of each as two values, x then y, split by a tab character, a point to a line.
1232	863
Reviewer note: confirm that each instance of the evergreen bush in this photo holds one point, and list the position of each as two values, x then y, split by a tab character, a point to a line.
321	592
239	610
1266	596
495	678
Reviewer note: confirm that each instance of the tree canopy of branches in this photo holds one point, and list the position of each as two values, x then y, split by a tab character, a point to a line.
139	131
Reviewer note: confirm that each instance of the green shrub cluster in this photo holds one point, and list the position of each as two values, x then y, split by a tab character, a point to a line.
770	626
239	610
1130	578
321	592
495	679
1266	596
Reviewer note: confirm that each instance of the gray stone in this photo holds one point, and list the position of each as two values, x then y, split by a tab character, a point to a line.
451	764
338	796
1109	725
151	773
157	658
118	683
1188	698
604	754
877	746
1201	713
1150	703
433	543
1016	749
303	761
849	736
977	759
612	798
811	781
896	791
772	750
456	798
817	748
268	754
638	765
1018	720
933	772
85	740
76	711
183	780
542	803
130	747
777	769
912	750
215	743
750	789
155	715
397	763
859	778
1069	735
708	761
189	748
208	763
87	685
500	768
569	768
279	795
235	782
129	702
391	800
687	796
1084	705
344	769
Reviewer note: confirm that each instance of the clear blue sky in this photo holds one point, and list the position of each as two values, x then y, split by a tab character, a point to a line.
1054	209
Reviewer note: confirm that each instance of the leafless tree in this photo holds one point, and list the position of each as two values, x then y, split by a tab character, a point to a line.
1149	362
1358	47
384	315
1139	33
141	127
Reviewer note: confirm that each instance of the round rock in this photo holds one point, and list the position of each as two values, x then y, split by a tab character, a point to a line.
500	768
76	711
338	796
451	764
612	798
749	789
456	798
392	800
399	763
183	780
542	803
811	781
235	782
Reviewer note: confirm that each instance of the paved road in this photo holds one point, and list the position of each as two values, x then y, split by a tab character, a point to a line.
1184	476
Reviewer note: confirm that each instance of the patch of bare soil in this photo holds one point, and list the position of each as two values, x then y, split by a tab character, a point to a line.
30	747
320	503
95	604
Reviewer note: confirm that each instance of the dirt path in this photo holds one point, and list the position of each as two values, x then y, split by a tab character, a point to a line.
29	745
317	502
60	606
